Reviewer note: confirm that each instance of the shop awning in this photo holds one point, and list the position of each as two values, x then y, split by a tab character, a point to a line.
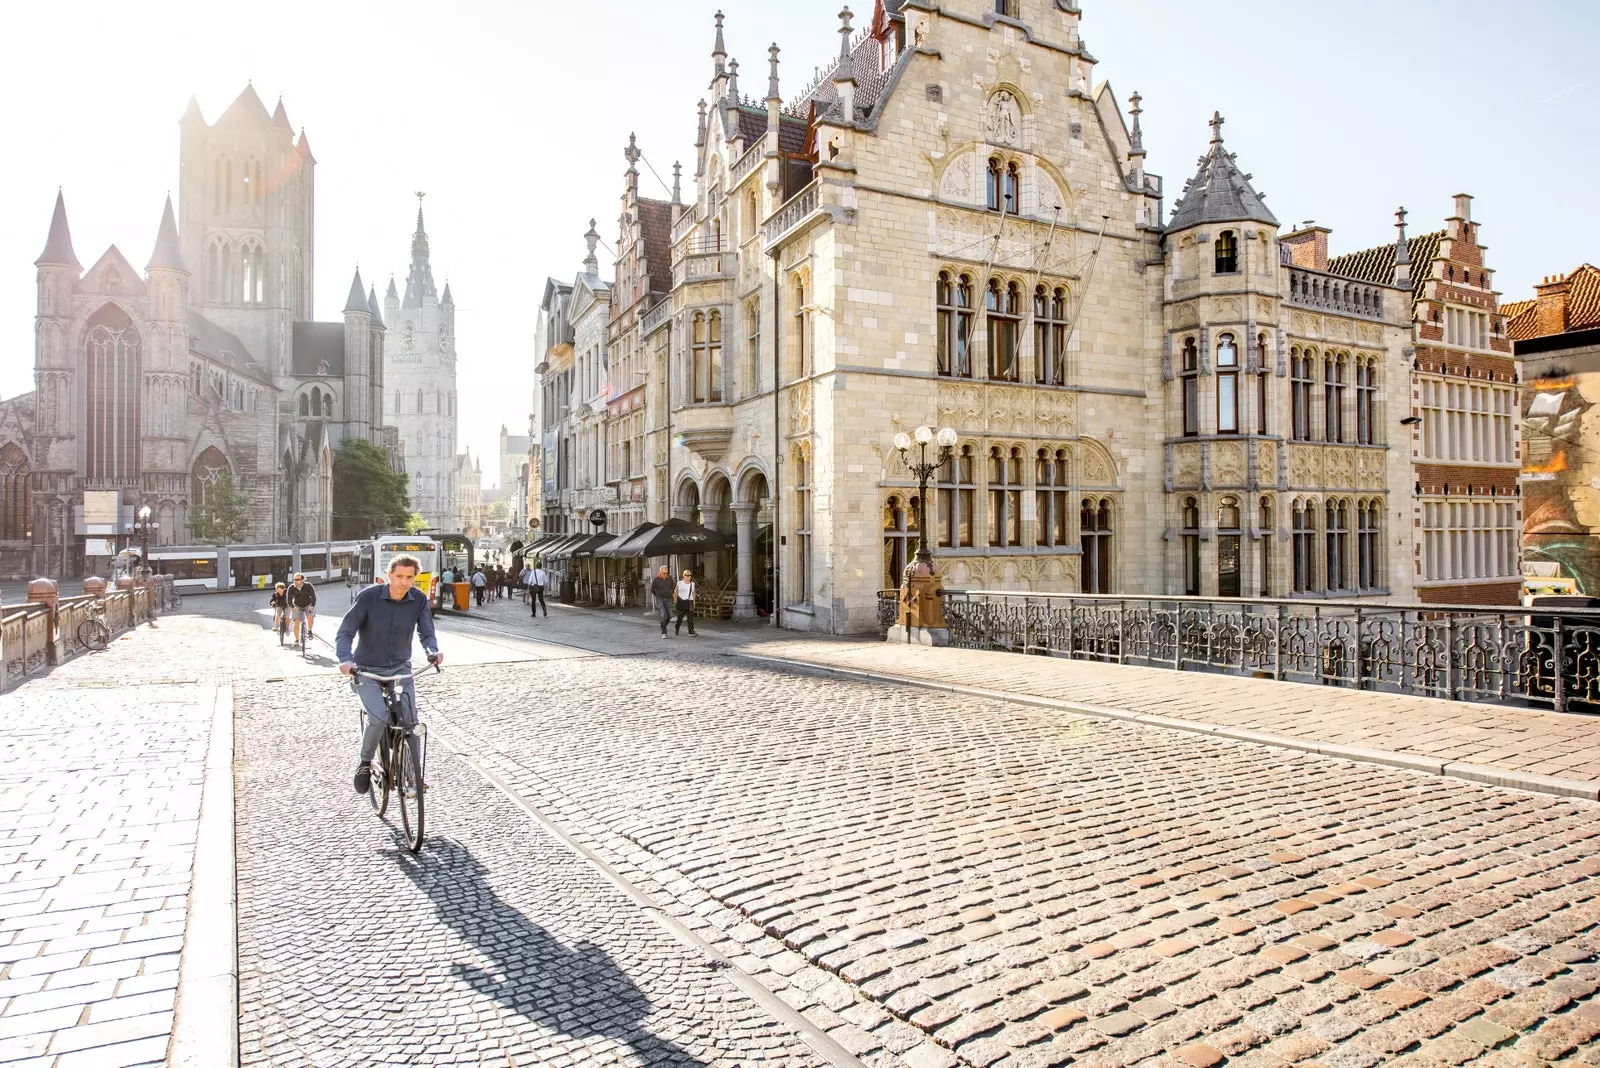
591	545
542	549
577	543
677	537
622	548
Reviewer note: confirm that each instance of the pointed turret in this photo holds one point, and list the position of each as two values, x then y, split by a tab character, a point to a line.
58	246
280	117
372	307
192	115
445	297
419	282
719	52
1402	251
168	254
1219	192
303	147
357	301
733	81
392	294
844	75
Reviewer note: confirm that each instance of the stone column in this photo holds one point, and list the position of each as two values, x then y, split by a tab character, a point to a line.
744	600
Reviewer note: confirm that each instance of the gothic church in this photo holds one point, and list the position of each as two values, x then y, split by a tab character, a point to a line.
148	387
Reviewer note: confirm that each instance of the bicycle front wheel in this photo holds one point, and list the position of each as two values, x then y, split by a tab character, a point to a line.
409	787
378	790
93	634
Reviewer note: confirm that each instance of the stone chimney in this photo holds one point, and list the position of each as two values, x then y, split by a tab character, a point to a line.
1308	247
1550	305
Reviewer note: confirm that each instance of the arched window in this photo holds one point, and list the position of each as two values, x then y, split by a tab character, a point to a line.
1191	547
1300	383
1305	546
1050	335
899	531
1366	395
993	182
219	272
1005	496
953	300
327	405
252	268
1012	190
1229	573
1333	385
752	348
1335	541
1094	543
113	395
1050	497
1264	546
957	499
802	329
1189	382
1368	573
1227	253
14	525
305	404
1004	308
208	467
1227	385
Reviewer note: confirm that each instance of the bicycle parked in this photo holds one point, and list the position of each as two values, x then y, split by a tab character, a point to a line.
93	634
401	759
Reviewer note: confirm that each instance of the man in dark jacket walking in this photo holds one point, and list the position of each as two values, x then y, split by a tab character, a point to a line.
662	589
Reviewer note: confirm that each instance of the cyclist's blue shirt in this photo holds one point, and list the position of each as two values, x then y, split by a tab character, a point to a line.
382	628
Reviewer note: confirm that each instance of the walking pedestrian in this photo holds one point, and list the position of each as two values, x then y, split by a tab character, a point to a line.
661	589
524	581
479	584
684	596
538	579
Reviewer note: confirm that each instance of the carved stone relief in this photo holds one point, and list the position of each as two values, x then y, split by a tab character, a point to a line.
956	182
1003	123
1098	467
1229	464
1186	466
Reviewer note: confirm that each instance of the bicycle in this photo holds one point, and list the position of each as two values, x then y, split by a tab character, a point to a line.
400	760
93	634
304	637
282	626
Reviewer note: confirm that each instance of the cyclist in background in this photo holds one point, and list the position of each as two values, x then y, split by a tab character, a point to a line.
302	604
279	605
381	625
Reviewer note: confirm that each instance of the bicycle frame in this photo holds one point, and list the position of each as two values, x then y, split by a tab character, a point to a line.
397	732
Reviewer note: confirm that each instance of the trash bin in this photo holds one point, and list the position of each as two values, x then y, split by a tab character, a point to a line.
569	591
463	595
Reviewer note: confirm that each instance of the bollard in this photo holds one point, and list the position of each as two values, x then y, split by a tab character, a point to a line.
45	591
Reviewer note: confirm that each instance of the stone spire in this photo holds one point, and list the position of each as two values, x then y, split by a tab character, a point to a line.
719	52
280	118
844	75
168	254
1219	192
591	262
700	142
1402	251
419	283
393	294
357	301
1136	136
772	76
58	246
372	306
677	182
632	155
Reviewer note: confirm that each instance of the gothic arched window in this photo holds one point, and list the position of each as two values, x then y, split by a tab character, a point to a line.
305	405
219	272
252	271
992	185
113	395
14	493
1227	258
327	405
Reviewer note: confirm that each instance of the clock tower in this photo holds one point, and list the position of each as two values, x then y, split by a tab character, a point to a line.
420	383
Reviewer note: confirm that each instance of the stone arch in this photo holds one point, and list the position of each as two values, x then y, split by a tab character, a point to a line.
751	484
1096	464
686	494
113	387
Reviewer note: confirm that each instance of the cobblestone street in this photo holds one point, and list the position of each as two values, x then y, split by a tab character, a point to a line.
647	852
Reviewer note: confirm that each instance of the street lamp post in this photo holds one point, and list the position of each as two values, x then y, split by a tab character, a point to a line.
144	536
924	469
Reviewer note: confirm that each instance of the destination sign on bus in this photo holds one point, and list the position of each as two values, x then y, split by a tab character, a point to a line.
407	547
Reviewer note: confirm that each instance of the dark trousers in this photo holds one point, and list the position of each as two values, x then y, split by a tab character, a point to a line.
478	592
536	601
685	612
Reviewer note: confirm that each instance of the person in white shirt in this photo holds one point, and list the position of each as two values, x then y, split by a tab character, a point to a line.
684	597
538	579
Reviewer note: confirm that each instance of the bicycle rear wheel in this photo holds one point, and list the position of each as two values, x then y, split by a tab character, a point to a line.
409	787
378	791
93	634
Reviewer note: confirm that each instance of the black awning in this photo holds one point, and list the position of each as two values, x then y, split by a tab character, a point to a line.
623	547
591	545
678	537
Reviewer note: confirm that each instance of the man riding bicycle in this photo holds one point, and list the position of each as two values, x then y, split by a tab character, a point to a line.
381	624
302	604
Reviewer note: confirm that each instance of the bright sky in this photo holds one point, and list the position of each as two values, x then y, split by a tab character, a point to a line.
512	115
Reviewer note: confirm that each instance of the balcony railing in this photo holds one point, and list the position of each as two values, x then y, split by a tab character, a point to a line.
1327	292
1543	657
685	223
795	212
698	246
747	162
659	312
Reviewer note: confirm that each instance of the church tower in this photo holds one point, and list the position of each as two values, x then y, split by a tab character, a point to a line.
419	373
246	200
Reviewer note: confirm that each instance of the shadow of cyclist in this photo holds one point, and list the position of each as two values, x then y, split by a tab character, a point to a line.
576	990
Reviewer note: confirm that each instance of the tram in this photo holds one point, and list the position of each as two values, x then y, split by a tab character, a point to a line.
245	567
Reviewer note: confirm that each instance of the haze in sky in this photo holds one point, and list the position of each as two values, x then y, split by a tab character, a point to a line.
512	115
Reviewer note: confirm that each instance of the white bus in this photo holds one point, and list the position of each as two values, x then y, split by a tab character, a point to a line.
373	558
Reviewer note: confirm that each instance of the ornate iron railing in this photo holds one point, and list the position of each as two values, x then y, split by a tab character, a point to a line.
1545	657
888	610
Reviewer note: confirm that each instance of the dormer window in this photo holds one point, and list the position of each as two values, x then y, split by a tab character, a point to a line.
1227	253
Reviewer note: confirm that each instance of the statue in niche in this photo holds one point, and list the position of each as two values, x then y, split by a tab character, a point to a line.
1005	119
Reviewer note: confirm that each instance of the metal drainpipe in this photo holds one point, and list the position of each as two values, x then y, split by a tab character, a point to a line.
777	444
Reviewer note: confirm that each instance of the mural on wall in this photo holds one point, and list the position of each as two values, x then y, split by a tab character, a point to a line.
1561	478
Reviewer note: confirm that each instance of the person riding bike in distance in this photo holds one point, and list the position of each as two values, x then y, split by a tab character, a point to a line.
279	605
302	604
381	624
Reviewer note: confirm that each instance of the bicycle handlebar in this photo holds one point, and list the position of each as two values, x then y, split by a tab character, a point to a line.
358	673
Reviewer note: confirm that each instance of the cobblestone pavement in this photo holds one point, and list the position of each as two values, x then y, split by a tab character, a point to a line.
1521	739
99	798
1026	887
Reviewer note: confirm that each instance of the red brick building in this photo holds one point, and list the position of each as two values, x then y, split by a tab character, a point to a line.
1466	441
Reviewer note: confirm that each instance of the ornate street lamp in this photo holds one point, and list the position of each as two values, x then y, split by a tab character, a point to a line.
924	469
144	526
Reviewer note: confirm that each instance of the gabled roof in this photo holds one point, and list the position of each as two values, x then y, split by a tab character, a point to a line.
246	107
1219	191
1377	264
220	346
58	246
112	259
870	81
655	230
313	344
1583	306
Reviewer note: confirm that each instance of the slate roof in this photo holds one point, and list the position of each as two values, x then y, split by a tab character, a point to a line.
221	346
58	246
314	343
168	253
1219	192
1583	306
655	229
1377	264
870	82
